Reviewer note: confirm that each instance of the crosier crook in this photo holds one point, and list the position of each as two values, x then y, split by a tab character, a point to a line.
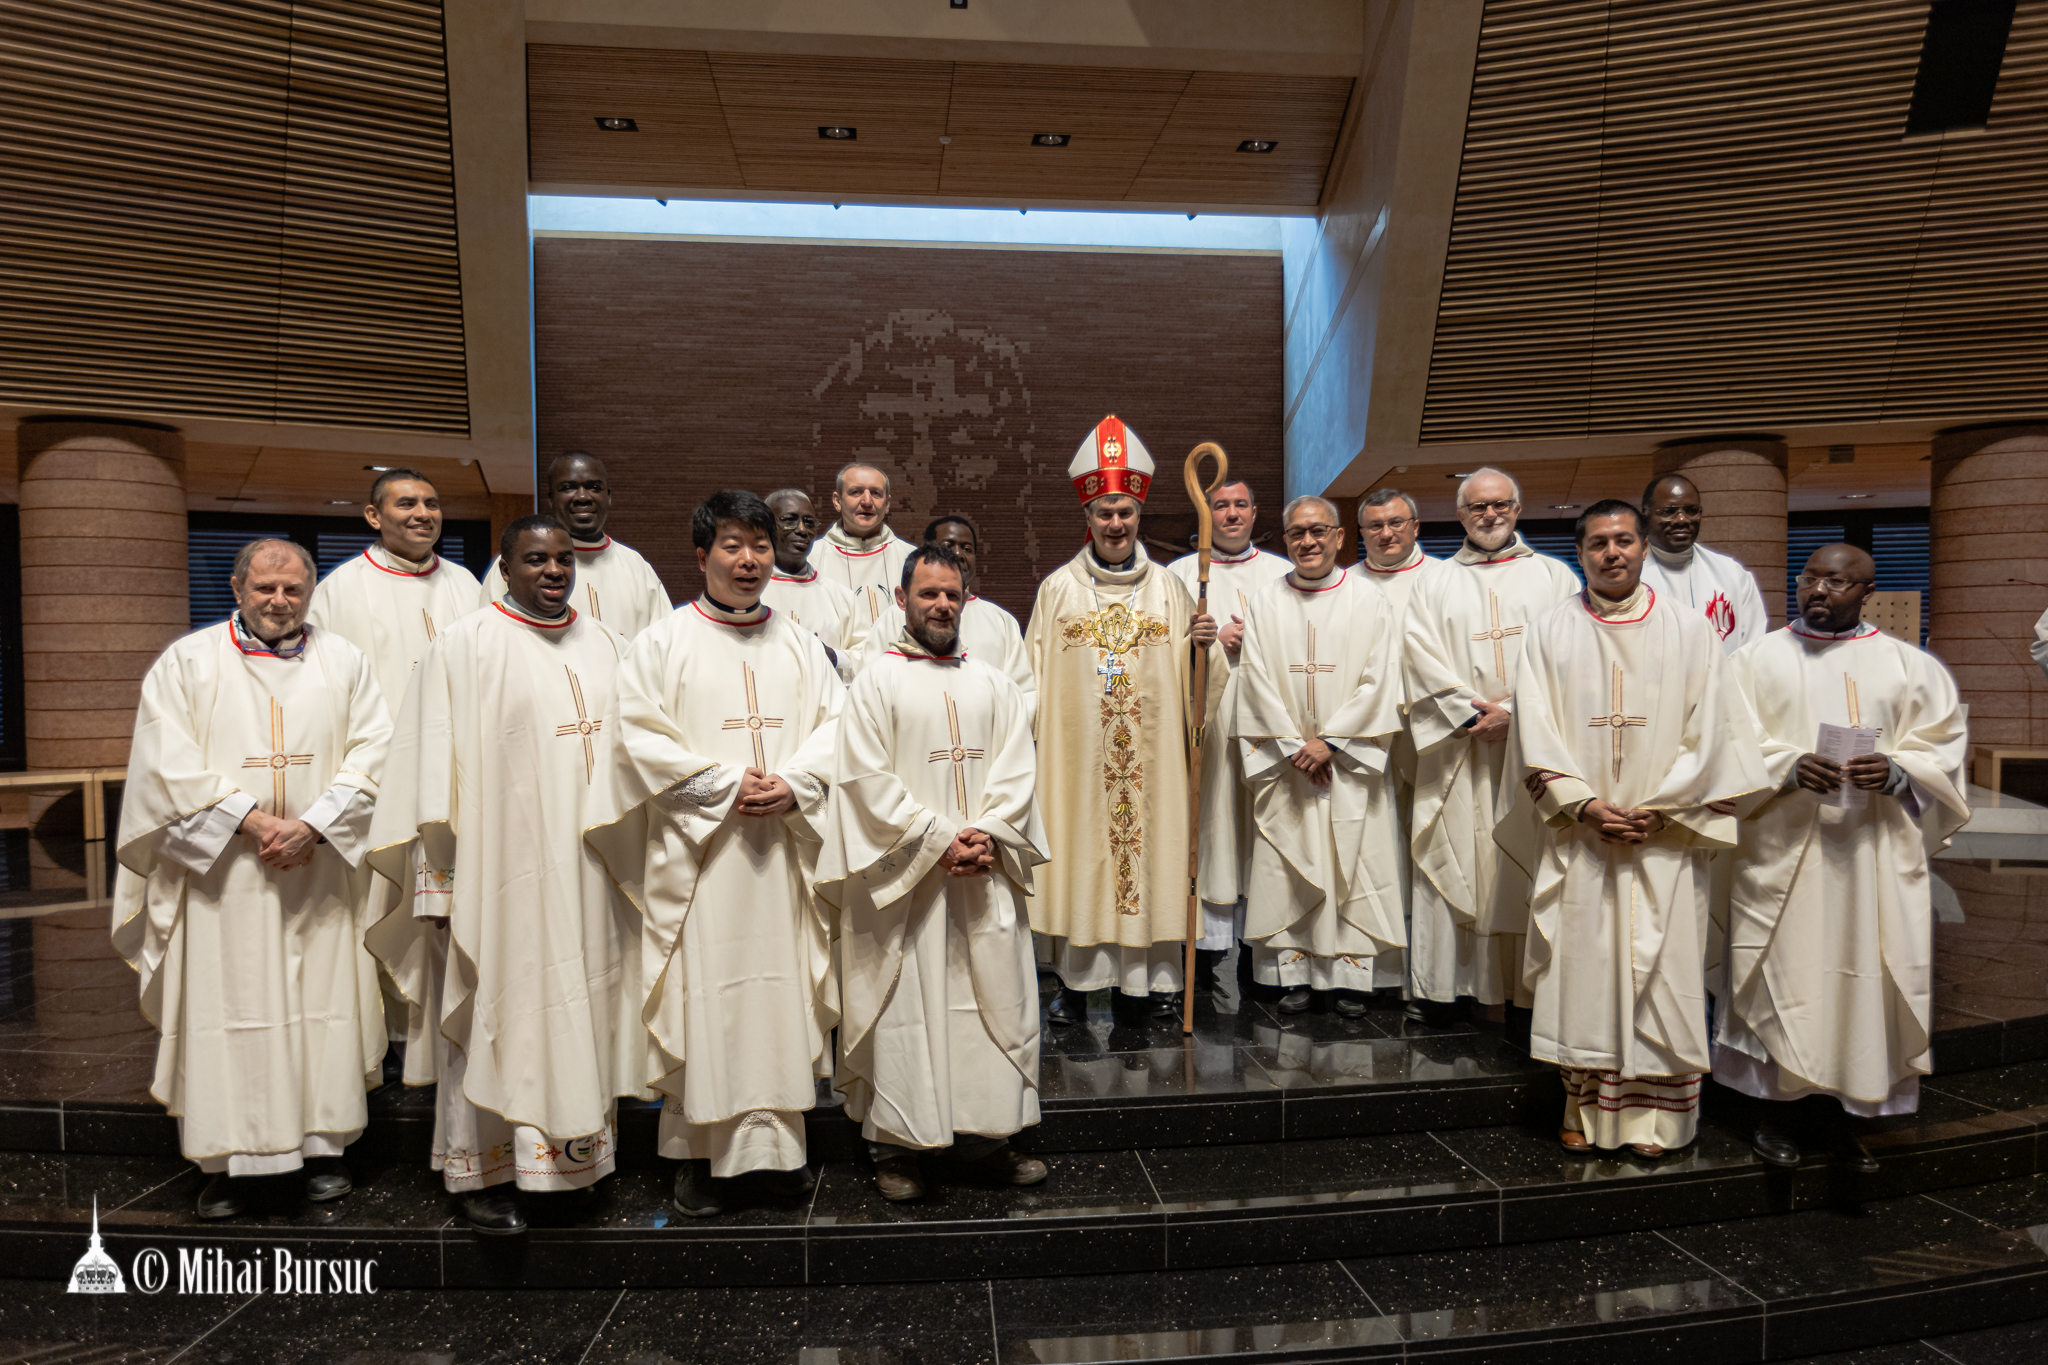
1197	706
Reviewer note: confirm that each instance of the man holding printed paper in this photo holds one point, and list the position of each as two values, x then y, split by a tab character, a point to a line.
1830	925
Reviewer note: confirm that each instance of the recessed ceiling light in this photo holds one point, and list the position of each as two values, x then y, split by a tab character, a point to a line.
1051	139
1256	144
1562	506
1457	476
837	132
618	125
377	468
1855	495
233	499
341	502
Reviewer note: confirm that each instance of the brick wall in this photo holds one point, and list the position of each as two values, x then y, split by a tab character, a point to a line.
969	375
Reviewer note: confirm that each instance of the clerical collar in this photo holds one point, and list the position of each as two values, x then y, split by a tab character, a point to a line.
378	555
1676	563
808	576
1333	579
521	614
1412	560
849	544
1629	609
249	642
909	648
1862	630
1518	548
713	610
1130	571
1251	552
590	547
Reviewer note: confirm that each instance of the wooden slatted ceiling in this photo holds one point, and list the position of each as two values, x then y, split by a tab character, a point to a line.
230	208
750	121
1675	216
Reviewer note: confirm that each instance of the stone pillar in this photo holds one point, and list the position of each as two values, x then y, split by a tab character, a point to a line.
1742	489
1989	524
103	591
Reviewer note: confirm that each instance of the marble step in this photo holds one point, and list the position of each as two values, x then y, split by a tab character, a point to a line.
1114	1211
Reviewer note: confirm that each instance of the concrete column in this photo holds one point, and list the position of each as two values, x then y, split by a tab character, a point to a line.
1742	489
1989	524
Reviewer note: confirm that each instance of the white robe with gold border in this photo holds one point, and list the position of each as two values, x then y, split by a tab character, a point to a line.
615	585
939	1027
1830	920
736	960
392	610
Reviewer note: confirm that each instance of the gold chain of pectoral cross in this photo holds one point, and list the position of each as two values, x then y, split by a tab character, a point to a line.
583	725
277	760
1311	668
1498	635
753	722
1618	721
956	755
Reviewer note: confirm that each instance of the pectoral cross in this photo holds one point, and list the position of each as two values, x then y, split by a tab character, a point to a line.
277	760
1311	668
956	755
1111	668
753	722
583	726
1498	635
1618	721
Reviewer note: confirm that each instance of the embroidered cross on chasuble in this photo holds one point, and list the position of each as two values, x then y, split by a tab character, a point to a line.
1618	721
1311	668
583	725
1498	635
1114	631
957	755
277	760
753	722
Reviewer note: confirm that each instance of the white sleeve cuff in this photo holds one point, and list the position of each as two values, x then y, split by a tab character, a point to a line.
196	842
342	815
1360	755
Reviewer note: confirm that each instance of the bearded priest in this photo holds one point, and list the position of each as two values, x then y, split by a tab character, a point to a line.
1463	638
239	899
930	840
495	768
614	585
1109	643
1631	756
1238	569
1831	922
722	734
858	550
1318	705
992	633
807	597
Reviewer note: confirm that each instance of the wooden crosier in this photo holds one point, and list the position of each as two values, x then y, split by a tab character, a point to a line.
1197	710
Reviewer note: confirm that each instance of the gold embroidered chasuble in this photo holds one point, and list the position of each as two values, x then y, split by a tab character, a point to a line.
1109	648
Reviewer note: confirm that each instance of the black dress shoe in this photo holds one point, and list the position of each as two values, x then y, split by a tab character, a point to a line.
327	1179
697	1194
1350	1004
1416	1011
1847	1148
790	1184
1773	1148
1068	1007
224	1196
1294	1002
1163	1005
493	1212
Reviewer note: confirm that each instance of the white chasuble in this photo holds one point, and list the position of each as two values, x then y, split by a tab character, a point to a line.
735	958
614	585
1633	707
1110	649
939	993
870	567
392	610
498	763
1462	639
1323	906
1717	586
1226	809
1830	921
987	633
826	610
1396	586
256	978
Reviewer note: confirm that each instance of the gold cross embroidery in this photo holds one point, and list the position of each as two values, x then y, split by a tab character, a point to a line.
277	760
956	755
1311	668
1618	721
1498	635
1855	710
590	590
427	616
583	726
753	722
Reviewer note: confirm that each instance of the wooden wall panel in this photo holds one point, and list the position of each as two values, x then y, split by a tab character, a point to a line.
1195	157
774	106
681	138
1114	117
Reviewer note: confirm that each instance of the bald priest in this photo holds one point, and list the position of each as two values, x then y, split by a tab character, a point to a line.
239	900
614	585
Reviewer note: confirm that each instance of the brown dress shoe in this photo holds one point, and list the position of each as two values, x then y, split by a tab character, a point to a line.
1005	1167
898	1178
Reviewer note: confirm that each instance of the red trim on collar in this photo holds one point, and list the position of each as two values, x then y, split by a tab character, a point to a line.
857	554
766	612
1868	632
928	658
1420	560
779	576
1585	596
1504	559
590	549
1341	575
236	641
401	573
537	625
1251	552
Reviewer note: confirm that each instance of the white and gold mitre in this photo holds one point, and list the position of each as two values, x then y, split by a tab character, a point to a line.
1111	459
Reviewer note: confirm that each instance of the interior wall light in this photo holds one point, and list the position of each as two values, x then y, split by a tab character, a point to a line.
618	125
1051	139
1256	144
837	132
